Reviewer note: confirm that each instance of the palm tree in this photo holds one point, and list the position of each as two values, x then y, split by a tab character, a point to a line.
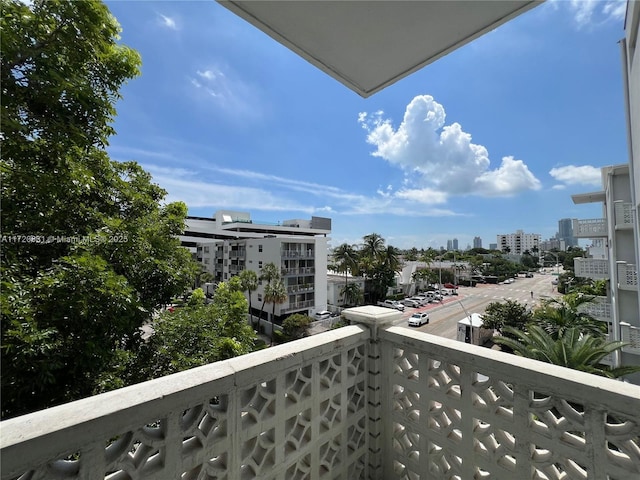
556	316
249	282
373	246
571	348
352	294
391	259
275	293
268	273
346	258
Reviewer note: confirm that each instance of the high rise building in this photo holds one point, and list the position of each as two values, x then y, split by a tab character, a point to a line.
477	242
449	244
565	232
455	244
519	242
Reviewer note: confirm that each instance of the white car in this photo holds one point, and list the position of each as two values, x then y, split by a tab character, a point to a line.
418	319
322	315
421	300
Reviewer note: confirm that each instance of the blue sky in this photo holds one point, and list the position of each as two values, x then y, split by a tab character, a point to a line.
224	117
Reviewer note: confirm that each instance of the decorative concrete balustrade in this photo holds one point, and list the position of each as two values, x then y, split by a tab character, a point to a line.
368	401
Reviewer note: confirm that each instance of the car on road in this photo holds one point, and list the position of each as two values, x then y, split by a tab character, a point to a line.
528	275
418	319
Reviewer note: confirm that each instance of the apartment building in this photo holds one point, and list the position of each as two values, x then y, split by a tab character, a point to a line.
616	233
231	242
477	242
518	242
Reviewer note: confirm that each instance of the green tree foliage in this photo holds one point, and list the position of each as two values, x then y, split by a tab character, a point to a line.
352	294
345	257
198	334
88	252
296	326
378	263
500	315
556	316
249	282
569	348
275	293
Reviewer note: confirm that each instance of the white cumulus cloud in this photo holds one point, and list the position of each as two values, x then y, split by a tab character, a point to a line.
577	175
442	158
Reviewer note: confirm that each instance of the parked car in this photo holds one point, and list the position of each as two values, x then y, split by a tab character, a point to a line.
322	315
418	319
450	286
392	304
410	302
528	275
421	300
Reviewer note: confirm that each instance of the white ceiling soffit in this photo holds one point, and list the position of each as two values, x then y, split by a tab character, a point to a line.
368	45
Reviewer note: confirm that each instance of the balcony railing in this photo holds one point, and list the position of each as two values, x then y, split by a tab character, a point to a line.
627	276
591	228
298	306
298	254
630	335
368	401
287	272
594	268
624	215
598	308
309	287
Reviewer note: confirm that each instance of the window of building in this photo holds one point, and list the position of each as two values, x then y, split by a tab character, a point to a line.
260	264
259	297
259	248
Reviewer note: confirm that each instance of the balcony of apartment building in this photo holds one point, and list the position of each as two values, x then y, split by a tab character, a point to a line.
288	272
297	253
238	253
600	309
300	288
367	401
594	268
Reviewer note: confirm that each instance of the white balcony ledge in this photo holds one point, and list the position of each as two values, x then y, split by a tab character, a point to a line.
627	276
594	268
345	404
591	228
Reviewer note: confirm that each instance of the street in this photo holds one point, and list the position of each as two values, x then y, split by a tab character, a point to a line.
443	318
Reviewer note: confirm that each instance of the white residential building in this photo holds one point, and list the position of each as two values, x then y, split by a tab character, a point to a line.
230	242
617	232
518	242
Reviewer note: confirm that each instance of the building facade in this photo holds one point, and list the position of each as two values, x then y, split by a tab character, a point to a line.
230	242
565	232
519	242
616	233
477	242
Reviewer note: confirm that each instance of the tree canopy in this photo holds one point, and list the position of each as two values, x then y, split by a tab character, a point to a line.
88	250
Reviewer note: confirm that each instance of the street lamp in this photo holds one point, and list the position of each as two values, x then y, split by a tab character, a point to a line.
557	260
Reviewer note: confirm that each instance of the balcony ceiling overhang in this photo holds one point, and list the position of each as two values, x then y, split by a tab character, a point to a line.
591	197
369	45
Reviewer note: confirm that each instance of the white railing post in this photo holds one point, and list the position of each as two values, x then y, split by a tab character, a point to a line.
375	318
